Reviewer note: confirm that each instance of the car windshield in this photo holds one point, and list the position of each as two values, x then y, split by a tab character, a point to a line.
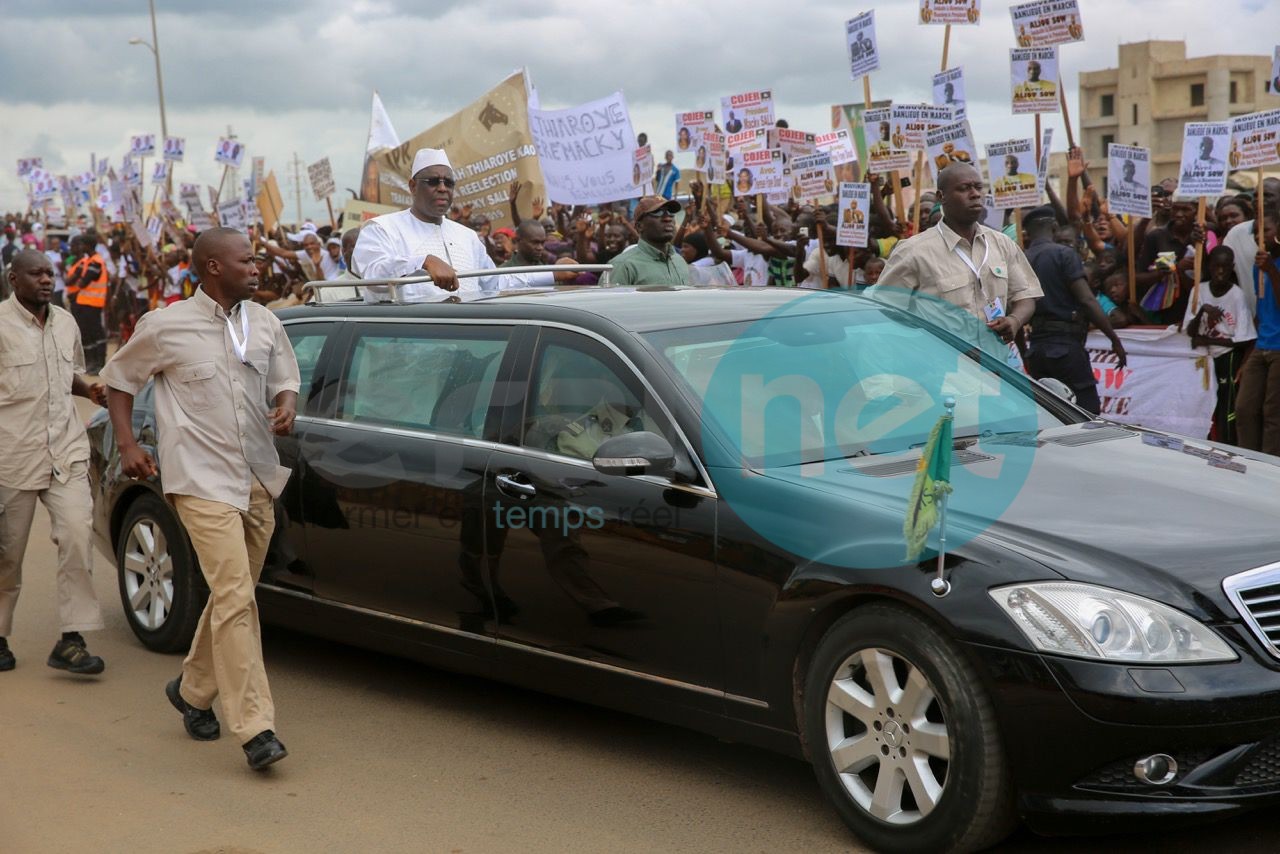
795	388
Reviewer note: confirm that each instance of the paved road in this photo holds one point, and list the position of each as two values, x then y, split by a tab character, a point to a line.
388	755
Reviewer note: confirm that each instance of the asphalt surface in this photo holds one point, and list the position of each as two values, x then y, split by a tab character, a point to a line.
387	755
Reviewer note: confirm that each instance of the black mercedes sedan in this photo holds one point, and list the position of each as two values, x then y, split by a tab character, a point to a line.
689	503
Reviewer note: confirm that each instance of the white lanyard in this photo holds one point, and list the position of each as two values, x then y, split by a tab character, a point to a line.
241	347
968	262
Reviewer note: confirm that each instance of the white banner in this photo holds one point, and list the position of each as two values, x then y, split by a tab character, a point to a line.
747	111
949	12
853	215
1167	384
948	91
1129	180
1203	171
321	175
1255	140
586	152
1046	22
860	36
1033	76
175	148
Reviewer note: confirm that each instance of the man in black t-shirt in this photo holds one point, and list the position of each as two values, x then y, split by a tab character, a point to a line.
1063	314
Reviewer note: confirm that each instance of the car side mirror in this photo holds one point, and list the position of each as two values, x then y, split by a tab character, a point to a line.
634	453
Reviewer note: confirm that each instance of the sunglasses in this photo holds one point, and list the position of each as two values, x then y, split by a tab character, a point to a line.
437	180
660	212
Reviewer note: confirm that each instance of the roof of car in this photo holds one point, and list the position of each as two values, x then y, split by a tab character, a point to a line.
637	309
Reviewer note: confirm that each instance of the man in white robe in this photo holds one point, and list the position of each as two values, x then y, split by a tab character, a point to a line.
424	241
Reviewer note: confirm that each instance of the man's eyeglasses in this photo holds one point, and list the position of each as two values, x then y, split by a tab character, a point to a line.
437	180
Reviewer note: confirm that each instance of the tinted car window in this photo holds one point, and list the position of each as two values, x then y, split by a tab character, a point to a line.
428	378
582	395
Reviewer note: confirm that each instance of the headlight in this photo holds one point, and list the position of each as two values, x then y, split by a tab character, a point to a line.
1093	622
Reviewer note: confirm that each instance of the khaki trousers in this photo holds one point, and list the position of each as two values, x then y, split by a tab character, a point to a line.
225	660
70	507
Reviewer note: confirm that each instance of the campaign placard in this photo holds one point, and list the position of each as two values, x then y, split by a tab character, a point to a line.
1033	76
1203	171
853	215
1129	180
712	162
882	155
642	170
912	121
143	145
1275	72
26	164
690	128
321	175
175	148
84	179
104	166
781	192
44	187
860	36
838	145
1014	185
231	215
160	172
950	144
948	91
956	13
1042	170
230	152
748	140
795	143
747	111
1047	22
1255	140
813	176
759	172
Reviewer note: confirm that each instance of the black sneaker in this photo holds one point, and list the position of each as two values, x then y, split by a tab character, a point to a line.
201	724
264	749
7	661
71	655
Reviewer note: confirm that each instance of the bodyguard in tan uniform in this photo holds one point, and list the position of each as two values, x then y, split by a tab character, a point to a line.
976	269
45	456
218	359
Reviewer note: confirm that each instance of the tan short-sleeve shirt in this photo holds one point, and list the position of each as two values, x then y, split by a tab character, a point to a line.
930	263
211	408
41	433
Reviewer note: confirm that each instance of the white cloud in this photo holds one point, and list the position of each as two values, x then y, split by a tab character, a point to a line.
300	80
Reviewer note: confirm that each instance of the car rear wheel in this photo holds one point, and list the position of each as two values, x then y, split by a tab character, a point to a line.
902	736
159	588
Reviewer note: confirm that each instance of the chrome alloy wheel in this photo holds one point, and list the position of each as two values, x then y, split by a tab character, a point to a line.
148	574
888	736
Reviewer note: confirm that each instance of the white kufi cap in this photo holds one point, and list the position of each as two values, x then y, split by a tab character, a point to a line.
429	157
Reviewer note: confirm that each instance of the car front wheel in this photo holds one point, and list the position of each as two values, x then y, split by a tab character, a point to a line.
159	587
902	736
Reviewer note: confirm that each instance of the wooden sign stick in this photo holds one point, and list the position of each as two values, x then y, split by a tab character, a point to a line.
218	195
1133	271
946	46
1195	276
1066	116
1257	232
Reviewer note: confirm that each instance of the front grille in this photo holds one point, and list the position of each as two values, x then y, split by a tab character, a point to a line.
1263	766
1256	595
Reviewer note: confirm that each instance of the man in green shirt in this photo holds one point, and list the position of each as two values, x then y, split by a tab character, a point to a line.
652	261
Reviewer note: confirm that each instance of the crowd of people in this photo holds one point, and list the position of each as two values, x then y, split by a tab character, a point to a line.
692	233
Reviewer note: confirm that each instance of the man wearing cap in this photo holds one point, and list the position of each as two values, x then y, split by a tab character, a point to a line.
652	261
1062	316
422	239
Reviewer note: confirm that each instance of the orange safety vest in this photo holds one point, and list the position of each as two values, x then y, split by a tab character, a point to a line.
92	294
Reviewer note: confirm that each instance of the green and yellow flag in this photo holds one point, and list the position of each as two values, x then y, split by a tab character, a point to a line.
933	479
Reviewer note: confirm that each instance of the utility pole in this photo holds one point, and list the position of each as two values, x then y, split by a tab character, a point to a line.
297	185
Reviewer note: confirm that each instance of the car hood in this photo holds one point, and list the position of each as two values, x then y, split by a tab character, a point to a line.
1132	509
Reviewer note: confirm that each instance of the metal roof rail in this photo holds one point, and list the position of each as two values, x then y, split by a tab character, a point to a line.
395	286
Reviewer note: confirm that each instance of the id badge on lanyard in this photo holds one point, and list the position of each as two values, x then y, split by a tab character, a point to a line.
241	347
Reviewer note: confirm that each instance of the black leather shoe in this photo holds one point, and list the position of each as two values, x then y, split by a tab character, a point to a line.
264	749
200	723
73	656
7	661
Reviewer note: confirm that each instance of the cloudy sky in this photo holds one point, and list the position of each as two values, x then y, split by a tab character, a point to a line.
297	77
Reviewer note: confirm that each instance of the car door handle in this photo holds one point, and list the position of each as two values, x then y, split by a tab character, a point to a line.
512	488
